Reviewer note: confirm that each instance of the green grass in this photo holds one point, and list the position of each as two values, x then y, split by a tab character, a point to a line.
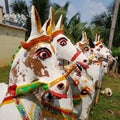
4	73
106	109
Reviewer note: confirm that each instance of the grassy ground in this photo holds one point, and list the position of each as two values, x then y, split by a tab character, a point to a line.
106	109
4	73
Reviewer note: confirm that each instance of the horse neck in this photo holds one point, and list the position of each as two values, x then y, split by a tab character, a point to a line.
19	73
28	105
96	67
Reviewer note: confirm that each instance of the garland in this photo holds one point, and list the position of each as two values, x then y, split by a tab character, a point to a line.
14	55
58	113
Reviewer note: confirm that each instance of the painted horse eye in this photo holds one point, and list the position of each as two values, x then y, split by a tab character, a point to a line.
84	61
86	49
76	82
78	74
98	49
62	41
43	53
84	92
92	50
101	46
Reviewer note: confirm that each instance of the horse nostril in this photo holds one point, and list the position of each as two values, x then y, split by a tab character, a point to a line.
60	86
84	61
108	57
76	82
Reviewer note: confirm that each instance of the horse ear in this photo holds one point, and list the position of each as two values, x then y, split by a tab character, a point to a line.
85	36
51	17
59	24
82	40
51	26
36	28
96	38
45	27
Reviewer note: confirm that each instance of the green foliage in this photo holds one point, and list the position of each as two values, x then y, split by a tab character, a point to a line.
116	51
104	20
61	10
19	6
42	7
74	28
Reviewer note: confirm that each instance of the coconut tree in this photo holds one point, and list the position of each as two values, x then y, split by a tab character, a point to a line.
42	7
104	21
61	10
19	6
75	27
113	24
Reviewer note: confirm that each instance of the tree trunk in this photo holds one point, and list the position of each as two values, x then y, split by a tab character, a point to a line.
7	6
113	23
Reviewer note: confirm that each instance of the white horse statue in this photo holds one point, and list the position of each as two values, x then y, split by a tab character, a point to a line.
62	43
106	61
28	69
94	52
82	91
34	66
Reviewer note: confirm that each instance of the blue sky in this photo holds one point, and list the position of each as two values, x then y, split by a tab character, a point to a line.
87	8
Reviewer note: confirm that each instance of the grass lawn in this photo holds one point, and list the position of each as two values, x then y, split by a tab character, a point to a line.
4	74
106	109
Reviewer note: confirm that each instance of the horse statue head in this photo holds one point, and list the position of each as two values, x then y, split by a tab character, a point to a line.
82	90
62	43
100	49
34	66
83	45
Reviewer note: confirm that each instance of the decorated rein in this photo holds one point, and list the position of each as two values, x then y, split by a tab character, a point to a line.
15	90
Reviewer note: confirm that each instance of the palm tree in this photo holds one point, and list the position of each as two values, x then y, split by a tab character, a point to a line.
106	30
19	6
61	10
42	7
104	21
113	23
75	28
